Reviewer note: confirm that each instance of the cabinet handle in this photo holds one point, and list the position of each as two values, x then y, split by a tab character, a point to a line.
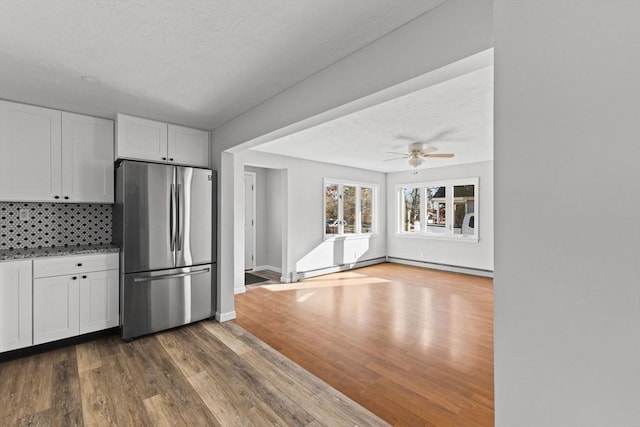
84	277
171	159
79	264
74	278
66	197
164	158
56	197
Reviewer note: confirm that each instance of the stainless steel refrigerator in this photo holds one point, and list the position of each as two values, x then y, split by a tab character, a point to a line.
163	224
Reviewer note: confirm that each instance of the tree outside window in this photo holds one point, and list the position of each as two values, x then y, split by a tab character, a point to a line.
348	208
411	209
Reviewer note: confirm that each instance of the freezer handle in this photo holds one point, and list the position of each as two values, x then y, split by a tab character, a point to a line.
171	276
172	219
180	215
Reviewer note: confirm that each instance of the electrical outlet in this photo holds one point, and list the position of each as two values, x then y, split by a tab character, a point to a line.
24	214
421	254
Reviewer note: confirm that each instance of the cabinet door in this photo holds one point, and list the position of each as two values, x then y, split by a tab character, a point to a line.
141	139
87	159
55	308
99	305
15	305
188	146
30	153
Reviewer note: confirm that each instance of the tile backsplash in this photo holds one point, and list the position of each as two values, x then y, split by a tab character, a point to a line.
54	224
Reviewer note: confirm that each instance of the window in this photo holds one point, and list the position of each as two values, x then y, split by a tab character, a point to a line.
411	210
348	208
442	209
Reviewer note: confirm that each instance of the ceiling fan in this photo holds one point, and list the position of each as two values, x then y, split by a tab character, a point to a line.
417	152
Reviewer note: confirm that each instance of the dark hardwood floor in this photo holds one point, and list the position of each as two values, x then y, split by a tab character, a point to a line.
415	346
205	374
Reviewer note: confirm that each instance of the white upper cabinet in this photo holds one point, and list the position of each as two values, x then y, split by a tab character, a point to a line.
188	146
87	159
52	156
143	139
30	153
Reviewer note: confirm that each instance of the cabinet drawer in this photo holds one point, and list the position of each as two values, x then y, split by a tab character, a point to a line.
74	264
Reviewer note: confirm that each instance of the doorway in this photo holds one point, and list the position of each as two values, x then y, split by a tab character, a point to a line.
265	202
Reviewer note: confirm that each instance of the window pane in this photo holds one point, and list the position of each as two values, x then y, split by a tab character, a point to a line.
463	207
331	208
366	207
349	209
411	209
436	209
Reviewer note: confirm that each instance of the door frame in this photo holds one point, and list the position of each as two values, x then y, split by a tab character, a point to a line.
252	176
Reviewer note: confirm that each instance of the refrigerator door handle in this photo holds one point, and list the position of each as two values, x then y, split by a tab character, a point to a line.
172	219
179	236
171	276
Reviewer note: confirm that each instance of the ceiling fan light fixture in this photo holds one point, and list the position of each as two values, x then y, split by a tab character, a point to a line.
415	161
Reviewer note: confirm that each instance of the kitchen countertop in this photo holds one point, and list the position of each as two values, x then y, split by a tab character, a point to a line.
11	254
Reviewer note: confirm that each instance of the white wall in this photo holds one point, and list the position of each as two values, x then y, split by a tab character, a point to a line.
567	163
307	249
456	253
226	247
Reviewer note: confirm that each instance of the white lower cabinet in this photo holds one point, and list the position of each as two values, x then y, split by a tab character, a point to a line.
15	305
55	308
99	302
78	299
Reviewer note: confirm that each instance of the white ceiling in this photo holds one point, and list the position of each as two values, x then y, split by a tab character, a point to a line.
455	116
198	63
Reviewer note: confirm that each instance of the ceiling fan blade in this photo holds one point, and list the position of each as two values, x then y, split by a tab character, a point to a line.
428	150
440	135
407	137
443	155
397	158
394	152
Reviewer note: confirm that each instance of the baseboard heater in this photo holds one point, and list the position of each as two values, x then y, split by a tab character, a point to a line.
336	268
444	267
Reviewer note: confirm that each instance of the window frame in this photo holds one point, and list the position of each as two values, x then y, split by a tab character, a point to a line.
341	183
424	232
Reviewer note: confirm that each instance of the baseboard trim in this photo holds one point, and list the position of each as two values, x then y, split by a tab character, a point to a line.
267	267
337	268
225	317
444	267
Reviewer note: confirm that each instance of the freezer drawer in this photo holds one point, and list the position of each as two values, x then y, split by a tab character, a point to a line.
159	300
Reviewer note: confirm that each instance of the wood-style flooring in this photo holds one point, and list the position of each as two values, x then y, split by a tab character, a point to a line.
414	346
205	374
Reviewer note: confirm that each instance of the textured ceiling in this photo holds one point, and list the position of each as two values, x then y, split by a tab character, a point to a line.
455	116
198	63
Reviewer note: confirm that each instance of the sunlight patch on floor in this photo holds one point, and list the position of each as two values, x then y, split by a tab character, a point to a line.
305	297
315	284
